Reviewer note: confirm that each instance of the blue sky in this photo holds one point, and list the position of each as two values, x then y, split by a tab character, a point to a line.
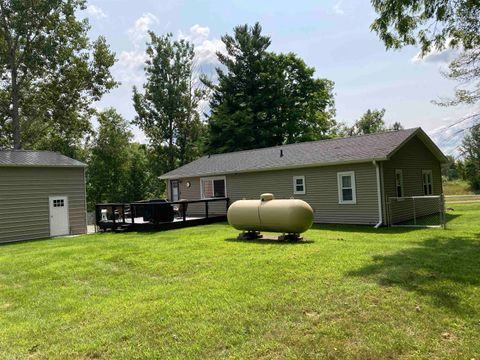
332	36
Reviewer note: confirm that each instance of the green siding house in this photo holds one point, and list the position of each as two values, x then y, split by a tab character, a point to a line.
347	181
42	194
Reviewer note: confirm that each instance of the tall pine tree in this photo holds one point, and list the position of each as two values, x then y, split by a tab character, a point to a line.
265	99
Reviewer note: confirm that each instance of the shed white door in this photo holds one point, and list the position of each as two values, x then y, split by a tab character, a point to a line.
58	215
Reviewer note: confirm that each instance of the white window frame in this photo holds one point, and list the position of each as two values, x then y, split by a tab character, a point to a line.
340	187
212	179
295	191
425	172
399	172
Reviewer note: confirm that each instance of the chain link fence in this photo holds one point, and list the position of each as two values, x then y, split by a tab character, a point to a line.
417	211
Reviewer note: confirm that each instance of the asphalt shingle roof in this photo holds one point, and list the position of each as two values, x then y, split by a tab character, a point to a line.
323	152
36	158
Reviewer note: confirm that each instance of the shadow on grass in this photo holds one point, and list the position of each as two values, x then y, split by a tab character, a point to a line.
369	229
440	268
17	242
271	241
429	220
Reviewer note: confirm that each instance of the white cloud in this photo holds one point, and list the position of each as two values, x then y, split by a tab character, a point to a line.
199	32
337	8
195	34
206	52
435	57
96	12
139	30
205	48
130	65
129	68
203	106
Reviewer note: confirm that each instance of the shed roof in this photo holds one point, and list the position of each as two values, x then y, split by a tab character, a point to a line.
355	149
29	158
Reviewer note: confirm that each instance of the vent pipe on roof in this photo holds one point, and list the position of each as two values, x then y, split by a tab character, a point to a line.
281	153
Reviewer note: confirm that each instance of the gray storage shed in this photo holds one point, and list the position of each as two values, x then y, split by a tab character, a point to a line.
42	194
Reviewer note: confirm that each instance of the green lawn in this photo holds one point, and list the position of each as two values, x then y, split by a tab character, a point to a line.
350	293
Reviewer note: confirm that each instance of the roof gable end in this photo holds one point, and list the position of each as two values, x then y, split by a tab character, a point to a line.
427	141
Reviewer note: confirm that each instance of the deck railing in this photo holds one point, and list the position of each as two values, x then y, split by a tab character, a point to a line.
160	214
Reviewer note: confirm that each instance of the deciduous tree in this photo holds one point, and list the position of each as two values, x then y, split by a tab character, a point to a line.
109	163
167	110
435	25
471	151
370	122
396	126
51	73
141	182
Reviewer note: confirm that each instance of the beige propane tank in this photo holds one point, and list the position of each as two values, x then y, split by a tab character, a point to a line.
270	214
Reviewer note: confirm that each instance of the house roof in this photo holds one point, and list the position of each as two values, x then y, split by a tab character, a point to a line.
36	159
355	149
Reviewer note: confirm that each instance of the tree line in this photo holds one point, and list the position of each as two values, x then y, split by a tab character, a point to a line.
467	167
52	74
259	99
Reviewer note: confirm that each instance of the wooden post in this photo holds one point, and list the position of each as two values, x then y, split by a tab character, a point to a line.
97	217
97	220
443	212
132	213
206	209
414	213
184	212
113	218
123	213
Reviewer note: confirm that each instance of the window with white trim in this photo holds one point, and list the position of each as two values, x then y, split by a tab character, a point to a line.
399	182
427	182
299	184
213	187
346	187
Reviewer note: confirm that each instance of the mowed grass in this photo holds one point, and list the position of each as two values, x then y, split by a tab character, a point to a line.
352	292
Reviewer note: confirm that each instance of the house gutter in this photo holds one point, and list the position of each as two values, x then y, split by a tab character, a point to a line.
379	193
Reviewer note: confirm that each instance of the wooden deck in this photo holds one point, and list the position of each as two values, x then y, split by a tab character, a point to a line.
159	216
